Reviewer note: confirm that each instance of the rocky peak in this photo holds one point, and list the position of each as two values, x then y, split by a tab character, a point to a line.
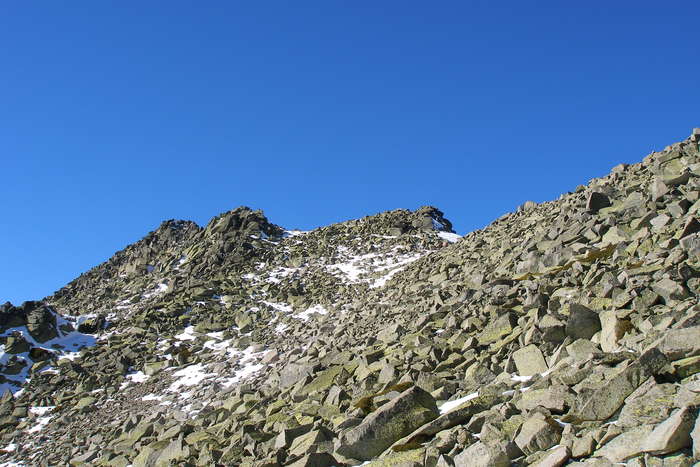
242	221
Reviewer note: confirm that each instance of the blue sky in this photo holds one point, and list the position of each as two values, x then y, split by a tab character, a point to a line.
117	115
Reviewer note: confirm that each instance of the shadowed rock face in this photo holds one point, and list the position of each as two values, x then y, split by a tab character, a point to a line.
564	331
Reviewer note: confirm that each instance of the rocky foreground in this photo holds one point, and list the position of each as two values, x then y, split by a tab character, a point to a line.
565	333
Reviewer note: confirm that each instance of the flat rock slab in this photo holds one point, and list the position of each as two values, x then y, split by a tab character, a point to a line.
397	418
603	402
626	445
672	434
529	361
482	455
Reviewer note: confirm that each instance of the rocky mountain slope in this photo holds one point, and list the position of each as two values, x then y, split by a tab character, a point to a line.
564	333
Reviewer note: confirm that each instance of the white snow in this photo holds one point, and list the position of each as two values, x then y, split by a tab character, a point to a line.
217	345
398	265
187	334
294	233
41	410
520	379
525	379
66	344
450	405
160	288
316	309
138	377
563	424
355	268
152	397
249	361
450	237
276	275
437	225
12	447
189	376
134	377
40	424
283	307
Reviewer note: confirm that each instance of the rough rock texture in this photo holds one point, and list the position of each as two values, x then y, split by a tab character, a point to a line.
565	331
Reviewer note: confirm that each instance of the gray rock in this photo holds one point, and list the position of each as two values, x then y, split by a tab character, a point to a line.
695	436
597	201
680	343
529	361
482	455
555	458
294	372
399	417
602	402
670	290
613	329
316	459
583	323
626	445
538	433
672	434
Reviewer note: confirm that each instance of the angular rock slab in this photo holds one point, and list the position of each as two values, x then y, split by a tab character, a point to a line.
557	457
626	445
583	322
680	343
482	455
603	402
397	418
538	433
529	361
672	434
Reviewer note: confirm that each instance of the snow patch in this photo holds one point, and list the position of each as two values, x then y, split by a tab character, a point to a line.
65	345
40	411
450	237
187	334
41	422
316	309
294	233
134	377
282	307
152	397
189	376
451	405
249	361
160	289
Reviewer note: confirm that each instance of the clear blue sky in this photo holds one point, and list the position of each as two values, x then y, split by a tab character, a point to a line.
117	115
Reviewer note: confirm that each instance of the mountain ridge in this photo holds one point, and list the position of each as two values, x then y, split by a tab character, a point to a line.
537	340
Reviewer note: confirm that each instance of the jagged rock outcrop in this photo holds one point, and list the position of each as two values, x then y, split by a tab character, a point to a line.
565	332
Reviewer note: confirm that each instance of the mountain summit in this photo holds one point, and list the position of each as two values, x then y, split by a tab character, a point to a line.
566	332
